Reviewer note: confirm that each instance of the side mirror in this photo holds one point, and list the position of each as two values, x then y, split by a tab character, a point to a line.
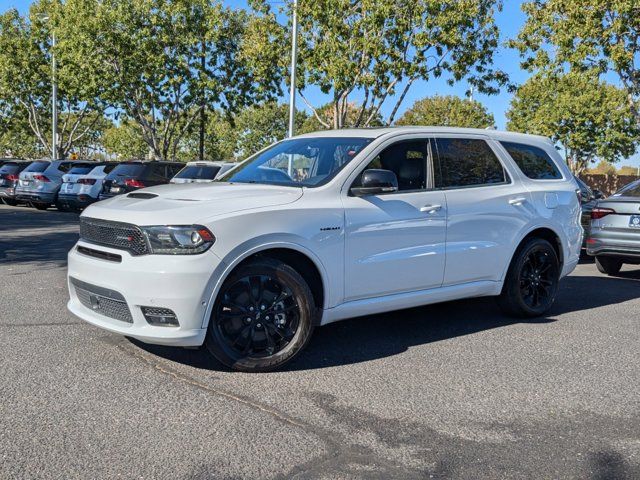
597	194
375	181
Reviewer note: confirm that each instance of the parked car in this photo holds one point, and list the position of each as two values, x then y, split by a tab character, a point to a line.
9	172
40	189
588	200
201	172
82	185
130	176
27	178
327	226
614	238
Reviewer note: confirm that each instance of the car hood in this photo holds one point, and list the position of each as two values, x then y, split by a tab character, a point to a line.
190	203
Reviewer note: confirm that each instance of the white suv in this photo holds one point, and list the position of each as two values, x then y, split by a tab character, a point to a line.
327	226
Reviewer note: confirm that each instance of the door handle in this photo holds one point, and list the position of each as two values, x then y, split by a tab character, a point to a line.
430	208
517	201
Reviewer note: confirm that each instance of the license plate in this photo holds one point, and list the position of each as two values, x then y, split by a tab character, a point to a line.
115	189
67	188
634	221
24	183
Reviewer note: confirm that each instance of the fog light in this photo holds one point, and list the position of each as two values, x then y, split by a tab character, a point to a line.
160	317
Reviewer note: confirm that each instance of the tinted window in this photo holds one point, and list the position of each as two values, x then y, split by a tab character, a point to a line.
109	167
464	162
157	173
10	167
81	169
534	162
63	166
631	190
199	172
408	160
37	167
126	170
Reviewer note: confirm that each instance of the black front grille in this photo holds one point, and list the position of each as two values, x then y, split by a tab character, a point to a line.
123	236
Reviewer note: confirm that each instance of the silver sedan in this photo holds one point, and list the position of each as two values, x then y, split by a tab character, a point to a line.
614	238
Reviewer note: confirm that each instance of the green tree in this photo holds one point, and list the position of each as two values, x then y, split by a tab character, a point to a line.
352	115
377	49
125	141
447	111
589	118
26	78
598	34
166	58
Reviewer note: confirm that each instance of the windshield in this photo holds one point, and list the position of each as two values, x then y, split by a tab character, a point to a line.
37	167
203	172
81	169
301	162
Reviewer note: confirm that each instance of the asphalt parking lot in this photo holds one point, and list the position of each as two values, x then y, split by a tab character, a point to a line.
447	391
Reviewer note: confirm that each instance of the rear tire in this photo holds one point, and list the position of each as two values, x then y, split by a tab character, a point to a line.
264	315
608	265
10	201
531	284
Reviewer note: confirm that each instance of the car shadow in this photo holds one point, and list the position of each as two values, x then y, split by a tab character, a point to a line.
29	236
378	336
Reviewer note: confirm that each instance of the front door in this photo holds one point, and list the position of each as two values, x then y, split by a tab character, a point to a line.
395	242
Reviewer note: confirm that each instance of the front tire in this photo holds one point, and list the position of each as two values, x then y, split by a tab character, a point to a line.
608	265
264	315
531	284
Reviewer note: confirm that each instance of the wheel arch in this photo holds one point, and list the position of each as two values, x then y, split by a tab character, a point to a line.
294	254
544	232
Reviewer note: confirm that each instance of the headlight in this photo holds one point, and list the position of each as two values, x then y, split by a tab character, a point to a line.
178	240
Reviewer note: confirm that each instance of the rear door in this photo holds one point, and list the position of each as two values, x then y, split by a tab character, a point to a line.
487	208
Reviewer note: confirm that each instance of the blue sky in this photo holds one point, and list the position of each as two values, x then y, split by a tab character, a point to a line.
509	20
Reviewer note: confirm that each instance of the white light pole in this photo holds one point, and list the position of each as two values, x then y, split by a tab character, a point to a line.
54	96
54	102
294	61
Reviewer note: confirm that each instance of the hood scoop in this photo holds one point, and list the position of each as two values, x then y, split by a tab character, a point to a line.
142	195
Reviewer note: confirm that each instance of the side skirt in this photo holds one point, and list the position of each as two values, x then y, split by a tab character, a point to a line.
399	301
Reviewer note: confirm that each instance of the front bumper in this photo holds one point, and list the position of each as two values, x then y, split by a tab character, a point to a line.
181	283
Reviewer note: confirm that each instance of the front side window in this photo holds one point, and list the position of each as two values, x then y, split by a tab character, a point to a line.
466	162
408	160
301	162
534	162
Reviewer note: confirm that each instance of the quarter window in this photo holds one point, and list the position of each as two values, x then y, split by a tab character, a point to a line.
466	162
534	162
408	160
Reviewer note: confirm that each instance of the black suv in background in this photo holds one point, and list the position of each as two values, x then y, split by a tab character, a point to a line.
130	176
9	175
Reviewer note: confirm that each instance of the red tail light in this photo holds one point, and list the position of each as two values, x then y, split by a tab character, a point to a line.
41	178
11	178
132	182
599	212
87	181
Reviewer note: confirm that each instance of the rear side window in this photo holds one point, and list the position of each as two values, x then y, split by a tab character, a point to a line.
206	172
37	167
534	162
466	162
126	170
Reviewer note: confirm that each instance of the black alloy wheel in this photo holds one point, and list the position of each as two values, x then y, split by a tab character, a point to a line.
263	317
531	283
